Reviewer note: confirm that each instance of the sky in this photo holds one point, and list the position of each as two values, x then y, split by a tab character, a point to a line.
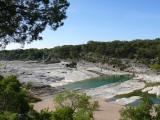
103	20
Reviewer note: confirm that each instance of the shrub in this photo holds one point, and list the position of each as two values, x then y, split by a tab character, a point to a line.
145	111
8	116
13	96
155	67
79	103
65	113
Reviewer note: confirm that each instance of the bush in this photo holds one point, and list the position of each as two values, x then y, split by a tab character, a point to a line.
155	67
145	111
8	116
65	113
13	96
78	103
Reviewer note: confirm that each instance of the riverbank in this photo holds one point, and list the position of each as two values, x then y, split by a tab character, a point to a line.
43	76
57	75
106	111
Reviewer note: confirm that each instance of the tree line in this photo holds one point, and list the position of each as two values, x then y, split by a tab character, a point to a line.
143	50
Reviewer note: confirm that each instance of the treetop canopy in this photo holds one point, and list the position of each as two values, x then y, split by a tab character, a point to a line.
22	21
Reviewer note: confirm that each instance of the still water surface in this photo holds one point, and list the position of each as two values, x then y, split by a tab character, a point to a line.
97	82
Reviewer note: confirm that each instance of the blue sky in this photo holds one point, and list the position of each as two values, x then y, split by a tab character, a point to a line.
104	20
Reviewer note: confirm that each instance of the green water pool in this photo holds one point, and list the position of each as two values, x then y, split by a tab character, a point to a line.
97	82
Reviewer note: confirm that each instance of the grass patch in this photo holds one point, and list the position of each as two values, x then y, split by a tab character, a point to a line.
152	84
134	93
155	67
127	95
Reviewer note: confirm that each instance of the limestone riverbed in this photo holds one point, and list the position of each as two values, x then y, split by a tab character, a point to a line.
57	74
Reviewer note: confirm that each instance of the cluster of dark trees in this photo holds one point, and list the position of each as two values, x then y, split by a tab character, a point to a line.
22	21
147	51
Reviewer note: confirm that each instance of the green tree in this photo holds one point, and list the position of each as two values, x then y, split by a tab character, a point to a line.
14	102
12	96
80	105
143	51
23	20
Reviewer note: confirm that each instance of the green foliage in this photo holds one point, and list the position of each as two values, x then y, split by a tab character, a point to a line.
83	115
141	112
155	67
145	111
29	85
79	103
127	95
65	113
44	115
8	116
22	22
152	84
12	96
1	77
75	100
145	51
135	93
14	104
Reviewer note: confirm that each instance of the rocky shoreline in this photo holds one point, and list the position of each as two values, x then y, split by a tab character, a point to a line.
43	76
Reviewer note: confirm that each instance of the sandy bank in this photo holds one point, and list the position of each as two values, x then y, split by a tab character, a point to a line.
107	111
